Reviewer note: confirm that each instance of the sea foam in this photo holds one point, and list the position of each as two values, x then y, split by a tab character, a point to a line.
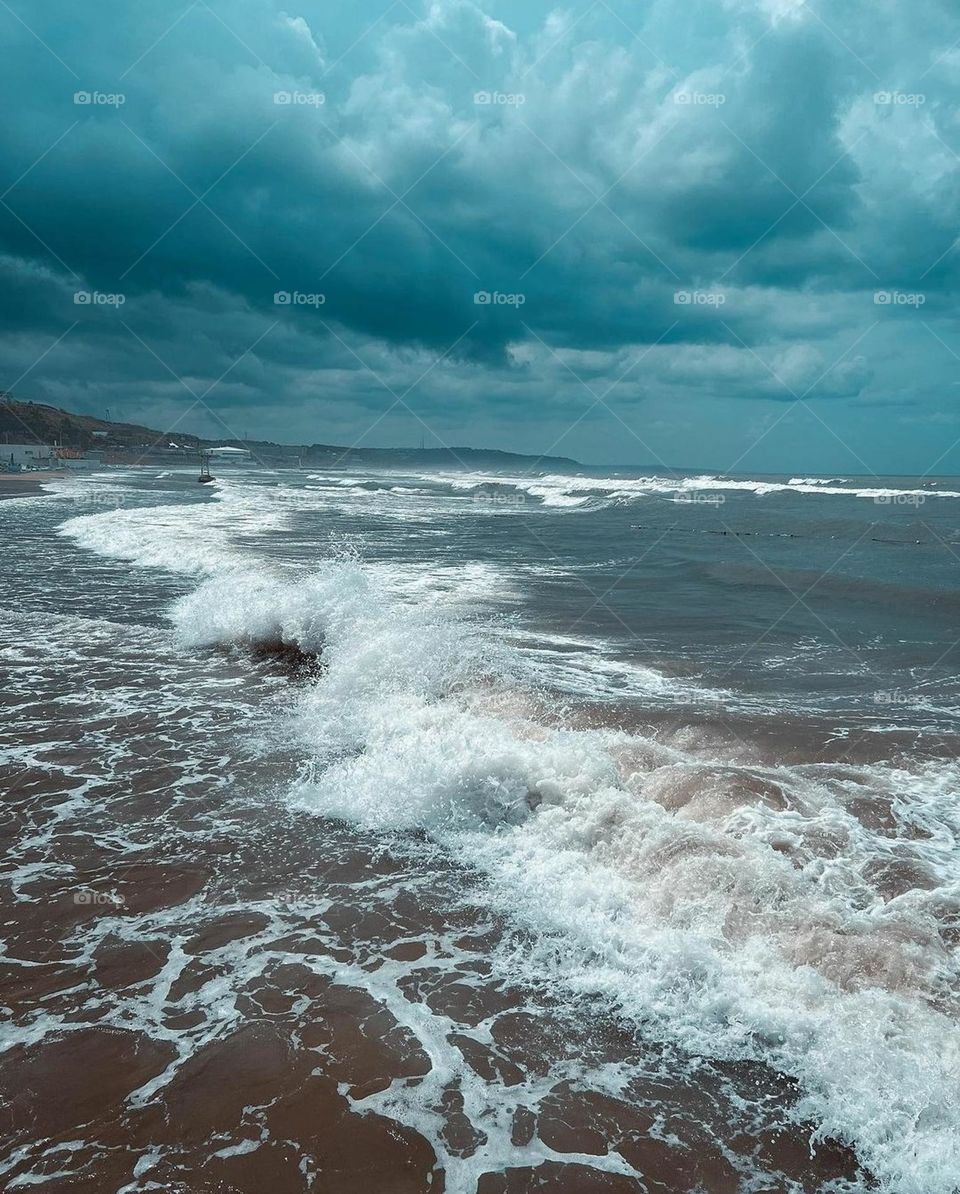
730	910
727	909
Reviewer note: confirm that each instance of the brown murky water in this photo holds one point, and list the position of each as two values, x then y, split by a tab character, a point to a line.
235	961
208	991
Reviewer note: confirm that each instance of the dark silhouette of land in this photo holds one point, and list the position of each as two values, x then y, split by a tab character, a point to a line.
130	443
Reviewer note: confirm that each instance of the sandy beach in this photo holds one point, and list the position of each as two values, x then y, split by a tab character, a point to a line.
25	484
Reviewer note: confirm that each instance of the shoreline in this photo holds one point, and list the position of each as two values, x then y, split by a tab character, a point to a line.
276	976
15	485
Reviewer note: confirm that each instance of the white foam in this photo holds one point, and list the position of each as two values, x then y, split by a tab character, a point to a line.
586	668
559	489
190	539
729	909
466	584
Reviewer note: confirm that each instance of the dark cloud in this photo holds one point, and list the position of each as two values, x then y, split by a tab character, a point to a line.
714	194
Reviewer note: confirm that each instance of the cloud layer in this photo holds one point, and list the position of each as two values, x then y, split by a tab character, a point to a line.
701	234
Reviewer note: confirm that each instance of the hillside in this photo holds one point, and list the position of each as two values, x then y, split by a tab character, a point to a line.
328	454
33	422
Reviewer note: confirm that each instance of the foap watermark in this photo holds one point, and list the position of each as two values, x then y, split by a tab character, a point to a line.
495	298
899	499
892	696
97	298
99	99
487	497
300	99
701	499
700	99
899	298
98	899
112	501
899	99
699	298
499	99
297	298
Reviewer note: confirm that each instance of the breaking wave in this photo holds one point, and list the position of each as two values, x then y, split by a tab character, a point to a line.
742	912
560	491
799	916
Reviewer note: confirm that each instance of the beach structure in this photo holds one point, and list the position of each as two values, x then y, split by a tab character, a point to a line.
15	457
230	455
74	458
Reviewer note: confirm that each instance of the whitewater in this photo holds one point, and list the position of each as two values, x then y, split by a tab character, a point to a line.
793	909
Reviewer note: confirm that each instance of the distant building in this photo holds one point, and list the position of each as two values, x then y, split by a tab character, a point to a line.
71	458
14	457
228	455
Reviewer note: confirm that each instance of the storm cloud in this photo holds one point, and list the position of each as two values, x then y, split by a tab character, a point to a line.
710	234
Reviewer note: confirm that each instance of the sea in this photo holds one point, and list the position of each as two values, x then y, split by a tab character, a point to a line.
481	832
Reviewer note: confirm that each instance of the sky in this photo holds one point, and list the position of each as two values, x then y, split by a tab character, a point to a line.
720	235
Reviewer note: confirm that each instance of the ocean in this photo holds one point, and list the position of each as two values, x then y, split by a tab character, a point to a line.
481	832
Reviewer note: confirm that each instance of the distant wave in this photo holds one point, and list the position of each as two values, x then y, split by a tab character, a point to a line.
559	490
419	497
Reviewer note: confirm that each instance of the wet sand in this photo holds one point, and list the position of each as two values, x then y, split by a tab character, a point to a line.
277	1050
213	992
25	484
206	990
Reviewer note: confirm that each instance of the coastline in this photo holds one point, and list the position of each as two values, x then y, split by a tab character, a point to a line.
15	485
264	970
